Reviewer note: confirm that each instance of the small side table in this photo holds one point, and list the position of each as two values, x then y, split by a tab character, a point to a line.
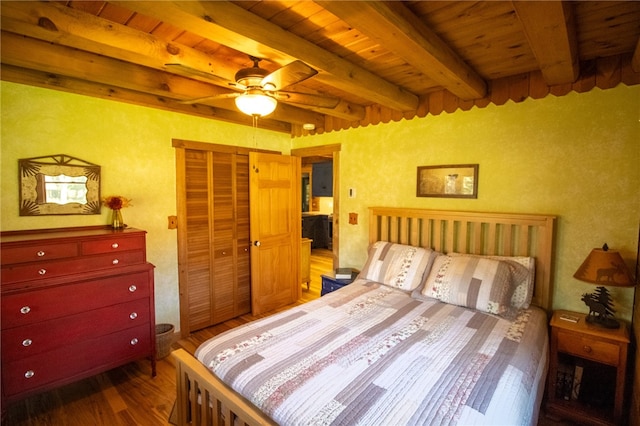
573	343
330	283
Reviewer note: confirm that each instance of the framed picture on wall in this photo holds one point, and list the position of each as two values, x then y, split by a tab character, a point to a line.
448	181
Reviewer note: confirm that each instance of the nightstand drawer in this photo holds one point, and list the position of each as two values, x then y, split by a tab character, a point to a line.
588	347
330	283
329	286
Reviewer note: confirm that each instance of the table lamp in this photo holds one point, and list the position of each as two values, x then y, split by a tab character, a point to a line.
605	267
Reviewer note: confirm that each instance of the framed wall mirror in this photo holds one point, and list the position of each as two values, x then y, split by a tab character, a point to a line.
58	184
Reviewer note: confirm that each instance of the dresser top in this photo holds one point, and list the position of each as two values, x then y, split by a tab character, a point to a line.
60	233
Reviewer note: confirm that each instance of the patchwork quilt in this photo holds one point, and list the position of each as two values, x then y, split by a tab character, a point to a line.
370	354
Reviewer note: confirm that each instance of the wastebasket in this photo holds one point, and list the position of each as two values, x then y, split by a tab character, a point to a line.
164	333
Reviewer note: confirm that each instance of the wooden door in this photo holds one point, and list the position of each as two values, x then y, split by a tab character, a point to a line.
213	237
275	230
229	218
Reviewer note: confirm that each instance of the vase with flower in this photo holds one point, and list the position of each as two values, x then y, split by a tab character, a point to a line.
116	203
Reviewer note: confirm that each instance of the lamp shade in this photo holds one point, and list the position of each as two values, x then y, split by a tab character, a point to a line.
605	267
256	103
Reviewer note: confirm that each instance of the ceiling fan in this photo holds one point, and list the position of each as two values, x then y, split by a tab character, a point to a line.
261	90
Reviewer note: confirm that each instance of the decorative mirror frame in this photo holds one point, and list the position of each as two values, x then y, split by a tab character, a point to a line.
31	202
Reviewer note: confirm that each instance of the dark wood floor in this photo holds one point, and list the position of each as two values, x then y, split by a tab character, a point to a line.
128	395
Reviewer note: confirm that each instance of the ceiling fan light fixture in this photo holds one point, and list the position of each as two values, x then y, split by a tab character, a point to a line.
256	104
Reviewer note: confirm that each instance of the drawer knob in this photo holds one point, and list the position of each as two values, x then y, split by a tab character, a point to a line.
29	374
114	245
115	261
134	341
587	349
27	342
25	310
40	253
133	315
132	288
42	271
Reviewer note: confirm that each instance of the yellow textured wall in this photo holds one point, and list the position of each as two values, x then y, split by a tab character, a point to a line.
576	157
132	145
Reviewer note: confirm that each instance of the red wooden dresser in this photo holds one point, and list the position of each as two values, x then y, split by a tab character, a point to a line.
75	302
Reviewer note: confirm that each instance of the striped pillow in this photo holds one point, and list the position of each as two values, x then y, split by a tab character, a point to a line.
523	270
474	282
397	265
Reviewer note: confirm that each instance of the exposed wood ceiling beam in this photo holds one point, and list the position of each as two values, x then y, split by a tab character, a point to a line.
400	31
73	28
38	55
97	90
550	30
241	30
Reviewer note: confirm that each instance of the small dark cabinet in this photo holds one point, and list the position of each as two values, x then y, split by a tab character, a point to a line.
322	176
331	283
313	228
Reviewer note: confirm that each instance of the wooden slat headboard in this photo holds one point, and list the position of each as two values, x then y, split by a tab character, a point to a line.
502	234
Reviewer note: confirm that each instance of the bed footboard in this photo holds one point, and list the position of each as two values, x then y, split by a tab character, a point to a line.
202	399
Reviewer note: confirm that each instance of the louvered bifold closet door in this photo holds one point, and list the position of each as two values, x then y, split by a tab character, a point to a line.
197	250
230	236
243	237
216	264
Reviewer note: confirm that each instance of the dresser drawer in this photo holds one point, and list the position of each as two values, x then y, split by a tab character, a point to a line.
22	342
590	348
74	361
43	270
113	245
38	252
46	304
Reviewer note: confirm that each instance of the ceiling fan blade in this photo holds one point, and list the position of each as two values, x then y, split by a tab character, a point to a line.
187	71
307	99
210	98
292	73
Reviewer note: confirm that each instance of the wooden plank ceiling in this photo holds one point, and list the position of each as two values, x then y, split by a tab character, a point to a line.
375	61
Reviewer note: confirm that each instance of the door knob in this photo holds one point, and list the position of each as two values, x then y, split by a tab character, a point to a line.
256	243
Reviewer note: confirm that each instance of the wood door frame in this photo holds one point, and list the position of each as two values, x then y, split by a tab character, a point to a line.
181	146
333	151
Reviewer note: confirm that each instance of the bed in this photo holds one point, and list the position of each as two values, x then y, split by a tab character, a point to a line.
446	324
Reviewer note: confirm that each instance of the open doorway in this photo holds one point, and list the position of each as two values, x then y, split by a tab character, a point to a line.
321	197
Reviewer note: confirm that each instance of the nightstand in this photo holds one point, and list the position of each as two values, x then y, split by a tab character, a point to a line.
596	354
330	283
